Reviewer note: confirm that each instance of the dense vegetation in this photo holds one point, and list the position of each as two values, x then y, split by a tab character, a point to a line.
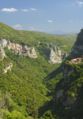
23	91
71	105
67	101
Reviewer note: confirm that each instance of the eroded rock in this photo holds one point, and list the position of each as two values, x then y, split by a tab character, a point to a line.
77	50
22	50
32	53
3	43
7	68
2	53
55	56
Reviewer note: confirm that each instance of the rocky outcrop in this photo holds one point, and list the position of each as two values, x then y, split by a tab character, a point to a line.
7	68
22	50
76	60
52	52
56	55
77	50
19	49
67	88
2	54
3	43
32	53
16	48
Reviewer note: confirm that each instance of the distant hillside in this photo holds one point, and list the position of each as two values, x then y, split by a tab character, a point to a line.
32	38
23	89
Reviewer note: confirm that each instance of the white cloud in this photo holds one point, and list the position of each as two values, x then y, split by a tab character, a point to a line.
25	10
50	21
18	26
9	10
79	3
12	10
29	10
31	28
33	9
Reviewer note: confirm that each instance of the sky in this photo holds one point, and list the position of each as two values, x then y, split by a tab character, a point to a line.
52	16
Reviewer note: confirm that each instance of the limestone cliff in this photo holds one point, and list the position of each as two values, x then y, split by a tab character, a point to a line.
19	48
53	52
67	89
22	50
2	53
16	48
3	43
77	50
56	55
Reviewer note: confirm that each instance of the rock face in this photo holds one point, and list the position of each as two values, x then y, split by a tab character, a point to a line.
8	68
32	53
64	90
16	48
19	48
56	56
3	43
77	50
2	53
72	72
22	50
59	94
76	60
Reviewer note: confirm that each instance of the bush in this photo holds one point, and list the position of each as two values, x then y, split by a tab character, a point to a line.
13	115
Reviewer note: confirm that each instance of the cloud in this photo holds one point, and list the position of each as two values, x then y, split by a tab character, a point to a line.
12	10
79	3
18	26
25	10
28	10
50	21
33	9
31	28
9	10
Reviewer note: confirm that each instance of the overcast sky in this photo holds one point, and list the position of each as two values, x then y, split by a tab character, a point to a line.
53	16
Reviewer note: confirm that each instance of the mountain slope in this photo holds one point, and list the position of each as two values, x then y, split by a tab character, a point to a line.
67	94
22	89
33	38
